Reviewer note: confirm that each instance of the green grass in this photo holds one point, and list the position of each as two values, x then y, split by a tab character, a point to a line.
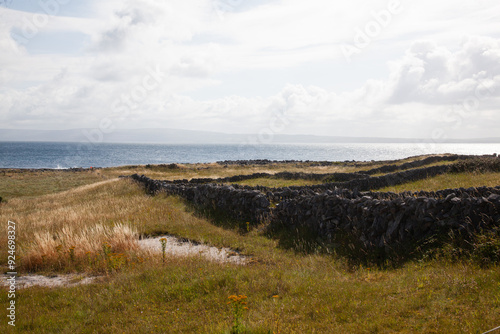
17	183
317	293
276	183
448	181
440	163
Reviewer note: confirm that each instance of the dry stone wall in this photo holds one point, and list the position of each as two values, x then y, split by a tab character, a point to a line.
280	175
397	219
375	219
241	204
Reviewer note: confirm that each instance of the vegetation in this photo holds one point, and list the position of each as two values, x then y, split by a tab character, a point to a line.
275	182
26	183
280	290
448	181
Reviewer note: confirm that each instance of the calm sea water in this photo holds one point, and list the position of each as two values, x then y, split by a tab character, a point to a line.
66	155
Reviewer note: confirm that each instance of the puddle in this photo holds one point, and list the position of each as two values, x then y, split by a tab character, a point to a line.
68	280
178	247
174	247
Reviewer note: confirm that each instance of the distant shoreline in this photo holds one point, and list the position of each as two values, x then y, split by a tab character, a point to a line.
166	136
243	163
38	155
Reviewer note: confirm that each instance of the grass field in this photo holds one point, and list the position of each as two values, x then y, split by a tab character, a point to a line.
18	183
68	227
273	182
449	181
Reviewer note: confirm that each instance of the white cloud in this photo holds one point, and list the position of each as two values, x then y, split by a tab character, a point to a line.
431	74
440	55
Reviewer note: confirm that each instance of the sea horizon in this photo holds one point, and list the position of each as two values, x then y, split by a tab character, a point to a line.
62	155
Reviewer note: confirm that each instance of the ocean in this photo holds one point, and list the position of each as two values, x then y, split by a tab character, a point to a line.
68	155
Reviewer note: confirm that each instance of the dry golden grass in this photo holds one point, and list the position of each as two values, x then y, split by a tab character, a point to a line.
189	171
25	183
315	293
68	248
55	228
62	231
214	170
82	219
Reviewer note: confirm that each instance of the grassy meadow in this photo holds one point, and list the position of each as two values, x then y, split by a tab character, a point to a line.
88	222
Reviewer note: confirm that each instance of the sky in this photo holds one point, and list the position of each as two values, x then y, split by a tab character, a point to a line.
396	68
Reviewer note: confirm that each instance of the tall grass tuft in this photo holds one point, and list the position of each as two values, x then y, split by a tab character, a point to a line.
44	250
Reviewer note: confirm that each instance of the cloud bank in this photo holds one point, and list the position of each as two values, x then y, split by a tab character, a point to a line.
432	68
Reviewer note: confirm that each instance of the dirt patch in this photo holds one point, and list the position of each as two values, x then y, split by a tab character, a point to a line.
176	247
68	280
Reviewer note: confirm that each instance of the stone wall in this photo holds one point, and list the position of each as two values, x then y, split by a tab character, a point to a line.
387	168
417	163
280	175
261	162
376	220
391	219
240	204
363	181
